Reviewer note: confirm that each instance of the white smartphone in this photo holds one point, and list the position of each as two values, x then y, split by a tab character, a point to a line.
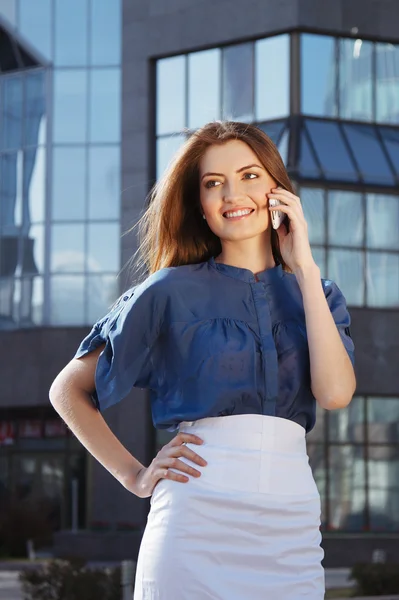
278	216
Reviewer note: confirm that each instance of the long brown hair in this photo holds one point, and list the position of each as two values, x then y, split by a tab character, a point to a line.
172	231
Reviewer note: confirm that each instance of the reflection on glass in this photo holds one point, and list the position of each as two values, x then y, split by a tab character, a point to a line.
345	267
104	247
203	87
166	149
35	20
34	184
387	92
11	112
382	221
105	24
272	77
104	182
171	95
317	434
347	488
67	248
70	106
382	279
33	251
283	146
67	300
347	424
274	129
331	150
308	166
102	291
8	10
316	455
355	79
369	154
238	82
319	256
383	477
35	115
69	173
345	218
383	420
10	193
71	33
318	93
36	302
105	101
313	205
391	143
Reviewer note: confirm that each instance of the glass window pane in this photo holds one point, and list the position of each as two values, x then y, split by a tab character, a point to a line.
37	301
67	300
272	77
391	142
33	249
34	185
312	200
331	150
345	267
70	106
319	256
387	92
345	218
68	248
35	109
105	24
348	424
347	488
355	79
11	117
369	154
105	101
318	95
283	145
382	279
273	130
203	87
171	95
238	82
382	221
317	434
69	173
383	420
102	291
10	193
8	10
104	182
316	455
383	477
166	149
35	24
308	166
71	33
104	247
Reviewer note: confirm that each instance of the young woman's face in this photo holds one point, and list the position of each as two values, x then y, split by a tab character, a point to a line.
233	188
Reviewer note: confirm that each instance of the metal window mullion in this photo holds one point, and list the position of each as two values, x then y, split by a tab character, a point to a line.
312	147
295	73
366	456
365	258
350	152
48	198
386	153
337	81
186	90
253	80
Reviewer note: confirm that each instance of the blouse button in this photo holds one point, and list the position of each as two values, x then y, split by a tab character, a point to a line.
125	298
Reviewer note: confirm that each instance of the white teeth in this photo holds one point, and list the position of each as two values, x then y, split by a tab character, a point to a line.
237	213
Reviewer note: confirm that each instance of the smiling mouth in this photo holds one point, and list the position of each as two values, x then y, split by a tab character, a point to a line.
236	214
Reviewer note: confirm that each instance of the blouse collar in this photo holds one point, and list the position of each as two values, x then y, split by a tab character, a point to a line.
268	276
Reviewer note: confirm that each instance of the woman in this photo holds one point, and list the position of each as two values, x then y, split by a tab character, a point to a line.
237	337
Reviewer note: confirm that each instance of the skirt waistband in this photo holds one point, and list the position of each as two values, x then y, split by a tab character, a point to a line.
249	432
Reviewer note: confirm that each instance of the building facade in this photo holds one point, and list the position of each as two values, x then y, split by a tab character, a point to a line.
89	128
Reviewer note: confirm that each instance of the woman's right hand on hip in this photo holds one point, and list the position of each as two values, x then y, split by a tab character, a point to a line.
169	458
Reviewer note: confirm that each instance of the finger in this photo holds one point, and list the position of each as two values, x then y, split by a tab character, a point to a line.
186	438
191	455
284	193
167	474
179	465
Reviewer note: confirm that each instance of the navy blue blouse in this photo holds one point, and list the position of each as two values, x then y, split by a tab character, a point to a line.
210	340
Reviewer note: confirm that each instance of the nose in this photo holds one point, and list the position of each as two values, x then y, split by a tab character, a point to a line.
232	192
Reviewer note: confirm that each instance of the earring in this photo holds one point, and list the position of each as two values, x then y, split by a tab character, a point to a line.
204	217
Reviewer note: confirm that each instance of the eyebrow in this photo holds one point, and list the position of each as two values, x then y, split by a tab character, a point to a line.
238	171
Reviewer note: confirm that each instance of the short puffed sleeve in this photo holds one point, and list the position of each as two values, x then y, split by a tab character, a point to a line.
129	332
337	303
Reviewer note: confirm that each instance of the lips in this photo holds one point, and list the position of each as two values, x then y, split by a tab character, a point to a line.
238	212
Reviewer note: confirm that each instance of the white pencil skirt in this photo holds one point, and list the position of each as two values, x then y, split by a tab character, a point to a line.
247	529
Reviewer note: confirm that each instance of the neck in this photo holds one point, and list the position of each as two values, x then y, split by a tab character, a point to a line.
254	254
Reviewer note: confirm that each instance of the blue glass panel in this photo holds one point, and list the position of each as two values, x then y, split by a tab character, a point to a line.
238	83
387	84
8	10
67	300
203	87
104	182
313	205
391	141
35	109
103	247
318	92
69	177
347	488
273	130
382	221
101	293
369	154
68	248
346	268
272	77
345	218
71	33
70	106
171	95
105	105
35	24
105	24
355	79
383	279
331	150
307	163
11	113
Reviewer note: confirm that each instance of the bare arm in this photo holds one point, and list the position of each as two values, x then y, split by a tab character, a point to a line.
70	395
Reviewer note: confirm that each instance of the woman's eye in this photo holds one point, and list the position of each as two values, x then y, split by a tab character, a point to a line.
210	183
250	175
